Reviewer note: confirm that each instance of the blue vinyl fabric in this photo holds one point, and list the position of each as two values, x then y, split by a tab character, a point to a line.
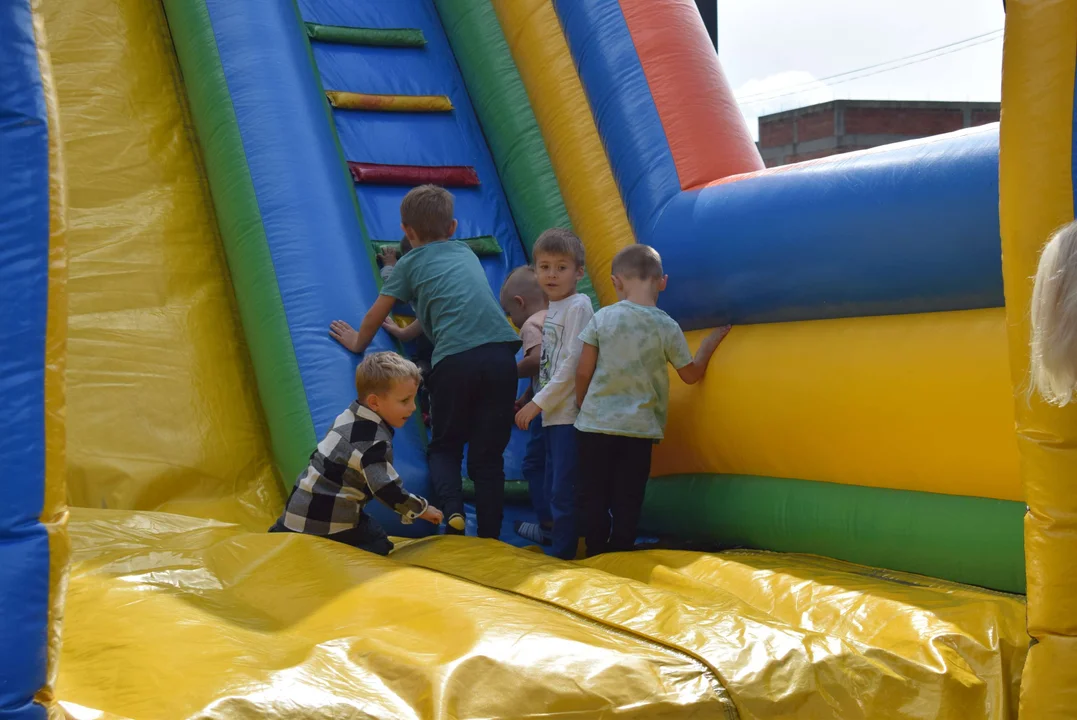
316	241
906	229
912	228
622	106
24	275
454	138
412	138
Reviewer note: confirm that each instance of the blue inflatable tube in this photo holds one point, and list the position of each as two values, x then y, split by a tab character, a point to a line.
24	283
308	209
912	228
909	229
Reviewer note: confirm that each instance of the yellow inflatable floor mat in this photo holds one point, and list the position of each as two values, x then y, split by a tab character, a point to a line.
176	617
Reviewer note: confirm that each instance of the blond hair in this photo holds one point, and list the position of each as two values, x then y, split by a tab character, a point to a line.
377	371
428	210
559	241
1053	354
637	262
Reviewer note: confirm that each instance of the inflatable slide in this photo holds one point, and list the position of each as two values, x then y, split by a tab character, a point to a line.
193	189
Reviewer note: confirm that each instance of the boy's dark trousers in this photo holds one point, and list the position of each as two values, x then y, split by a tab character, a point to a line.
612	479
367	535
471	402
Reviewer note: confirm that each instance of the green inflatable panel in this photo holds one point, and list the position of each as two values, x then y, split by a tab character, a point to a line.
261	309
504	111
482	245
381	37
978	541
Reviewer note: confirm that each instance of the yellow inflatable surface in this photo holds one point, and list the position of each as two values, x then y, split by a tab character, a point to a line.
174	617
179	605
161	407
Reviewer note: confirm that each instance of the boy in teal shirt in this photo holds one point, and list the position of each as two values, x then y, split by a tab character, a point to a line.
473	380
622	388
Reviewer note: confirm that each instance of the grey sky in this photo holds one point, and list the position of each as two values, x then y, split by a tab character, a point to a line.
769	47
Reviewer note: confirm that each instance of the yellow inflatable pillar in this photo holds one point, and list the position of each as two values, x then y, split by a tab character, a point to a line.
1036	189
54	513
579	161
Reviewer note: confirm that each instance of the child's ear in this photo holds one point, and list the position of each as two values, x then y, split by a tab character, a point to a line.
662	283
372	401
452	230
518	299
580	271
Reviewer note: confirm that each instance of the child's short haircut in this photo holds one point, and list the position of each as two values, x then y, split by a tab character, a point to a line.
638	262
523	282
559	241
428	210
377	371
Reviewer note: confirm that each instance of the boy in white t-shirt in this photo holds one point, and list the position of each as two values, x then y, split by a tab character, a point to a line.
559	264
622	387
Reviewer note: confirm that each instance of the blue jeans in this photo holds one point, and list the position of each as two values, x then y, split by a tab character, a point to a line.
561	461
534	471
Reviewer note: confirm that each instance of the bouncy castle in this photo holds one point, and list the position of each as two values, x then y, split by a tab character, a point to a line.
191	190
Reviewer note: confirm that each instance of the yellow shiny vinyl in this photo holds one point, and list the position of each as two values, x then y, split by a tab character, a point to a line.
913	402
1036	188
579	161
173	617
162	412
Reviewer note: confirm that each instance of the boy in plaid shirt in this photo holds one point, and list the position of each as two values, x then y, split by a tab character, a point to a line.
354	463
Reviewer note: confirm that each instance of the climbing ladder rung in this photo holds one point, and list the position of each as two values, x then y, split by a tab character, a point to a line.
444	175
378	37
388	103
482	244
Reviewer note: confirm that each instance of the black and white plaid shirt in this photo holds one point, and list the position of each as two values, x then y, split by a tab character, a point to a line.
353	464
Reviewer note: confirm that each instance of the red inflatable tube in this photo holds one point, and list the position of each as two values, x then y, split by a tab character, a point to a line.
444	175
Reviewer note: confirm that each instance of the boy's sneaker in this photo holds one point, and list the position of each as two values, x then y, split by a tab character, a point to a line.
455	525
533	532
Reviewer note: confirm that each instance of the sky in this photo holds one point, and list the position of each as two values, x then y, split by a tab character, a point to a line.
778	54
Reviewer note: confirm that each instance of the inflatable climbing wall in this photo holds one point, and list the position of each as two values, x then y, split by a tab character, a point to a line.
193	190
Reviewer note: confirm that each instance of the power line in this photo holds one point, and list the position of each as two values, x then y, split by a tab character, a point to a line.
876	69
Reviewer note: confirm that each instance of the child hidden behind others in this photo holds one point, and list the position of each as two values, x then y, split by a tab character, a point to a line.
473	379
522	298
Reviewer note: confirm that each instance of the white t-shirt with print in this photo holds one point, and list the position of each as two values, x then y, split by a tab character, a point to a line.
561	344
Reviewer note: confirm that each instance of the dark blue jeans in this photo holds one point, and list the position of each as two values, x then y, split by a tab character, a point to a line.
534	471
367	535
561	461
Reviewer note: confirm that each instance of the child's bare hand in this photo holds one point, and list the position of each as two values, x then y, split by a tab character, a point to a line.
527	413
389	255
432	515
716	336
344	334
520	402
391	327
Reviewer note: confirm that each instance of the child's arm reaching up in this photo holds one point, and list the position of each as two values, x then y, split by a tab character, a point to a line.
693	372
357	340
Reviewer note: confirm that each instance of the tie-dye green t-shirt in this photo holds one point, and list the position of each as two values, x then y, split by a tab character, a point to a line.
629	392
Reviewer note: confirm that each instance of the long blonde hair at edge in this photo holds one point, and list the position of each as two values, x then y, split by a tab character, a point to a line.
1053	356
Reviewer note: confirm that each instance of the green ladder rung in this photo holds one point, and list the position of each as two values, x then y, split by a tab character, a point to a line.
378	37
482	245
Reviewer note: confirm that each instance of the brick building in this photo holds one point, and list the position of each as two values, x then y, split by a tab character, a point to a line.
842	126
